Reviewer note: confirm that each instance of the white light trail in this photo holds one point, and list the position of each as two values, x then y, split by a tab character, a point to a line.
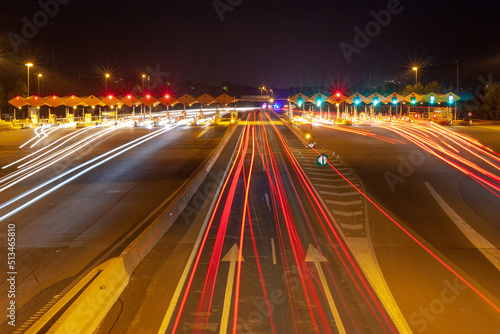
71	135
124	148
45	162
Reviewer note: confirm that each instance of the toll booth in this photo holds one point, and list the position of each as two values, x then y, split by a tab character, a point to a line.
88	118
34	118
71	118
52	118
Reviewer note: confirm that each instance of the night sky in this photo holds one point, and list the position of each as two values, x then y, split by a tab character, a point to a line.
276	43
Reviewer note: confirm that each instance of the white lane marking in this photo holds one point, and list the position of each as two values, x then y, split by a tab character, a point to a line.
267	201
232	256
330	193
352	227
484	246
273	248
313	255
319	179
203	132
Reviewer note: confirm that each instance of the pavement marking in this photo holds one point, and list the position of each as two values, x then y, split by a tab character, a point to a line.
352	226
313	255
334	187
232	257
321	179
273	250
329	201
317	171
364	252
267	201
347	214
484	246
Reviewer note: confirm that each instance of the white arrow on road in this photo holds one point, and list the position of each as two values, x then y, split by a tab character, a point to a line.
313	255
232	256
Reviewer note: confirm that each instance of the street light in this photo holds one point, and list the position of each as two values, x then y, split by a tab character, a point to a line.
416	74
39	76
28	81
457	74
106	77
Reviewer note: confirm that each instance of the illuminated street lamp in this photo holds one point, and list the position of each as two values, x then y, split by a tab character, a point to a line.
106	77
416	74
28	65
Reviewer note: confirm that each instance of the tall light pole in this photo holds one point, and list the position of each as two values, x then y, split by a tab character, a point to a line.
457	74
106	77
39	76
28	65
416	74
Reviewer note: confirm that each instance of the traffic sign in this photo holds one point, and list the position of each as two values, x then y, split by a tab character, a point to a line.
322	160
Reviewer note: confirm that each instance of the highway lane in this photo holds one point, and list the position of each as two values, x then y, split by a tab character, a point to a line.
89	219
395	174
269	212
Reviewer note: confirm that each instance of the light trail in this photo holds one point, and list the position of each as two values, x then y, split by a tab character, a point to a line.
322	215
413	238
45	135
242	233
45	163
71	135
419	135
196	263
37	135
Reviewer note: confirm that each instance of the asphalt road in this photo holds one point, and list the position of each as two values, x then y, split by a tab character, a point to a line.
395	176
282	235
92	218
440	279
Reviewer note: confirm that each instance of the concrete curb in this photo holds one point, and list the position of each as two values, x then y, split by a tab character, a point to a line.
90	308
